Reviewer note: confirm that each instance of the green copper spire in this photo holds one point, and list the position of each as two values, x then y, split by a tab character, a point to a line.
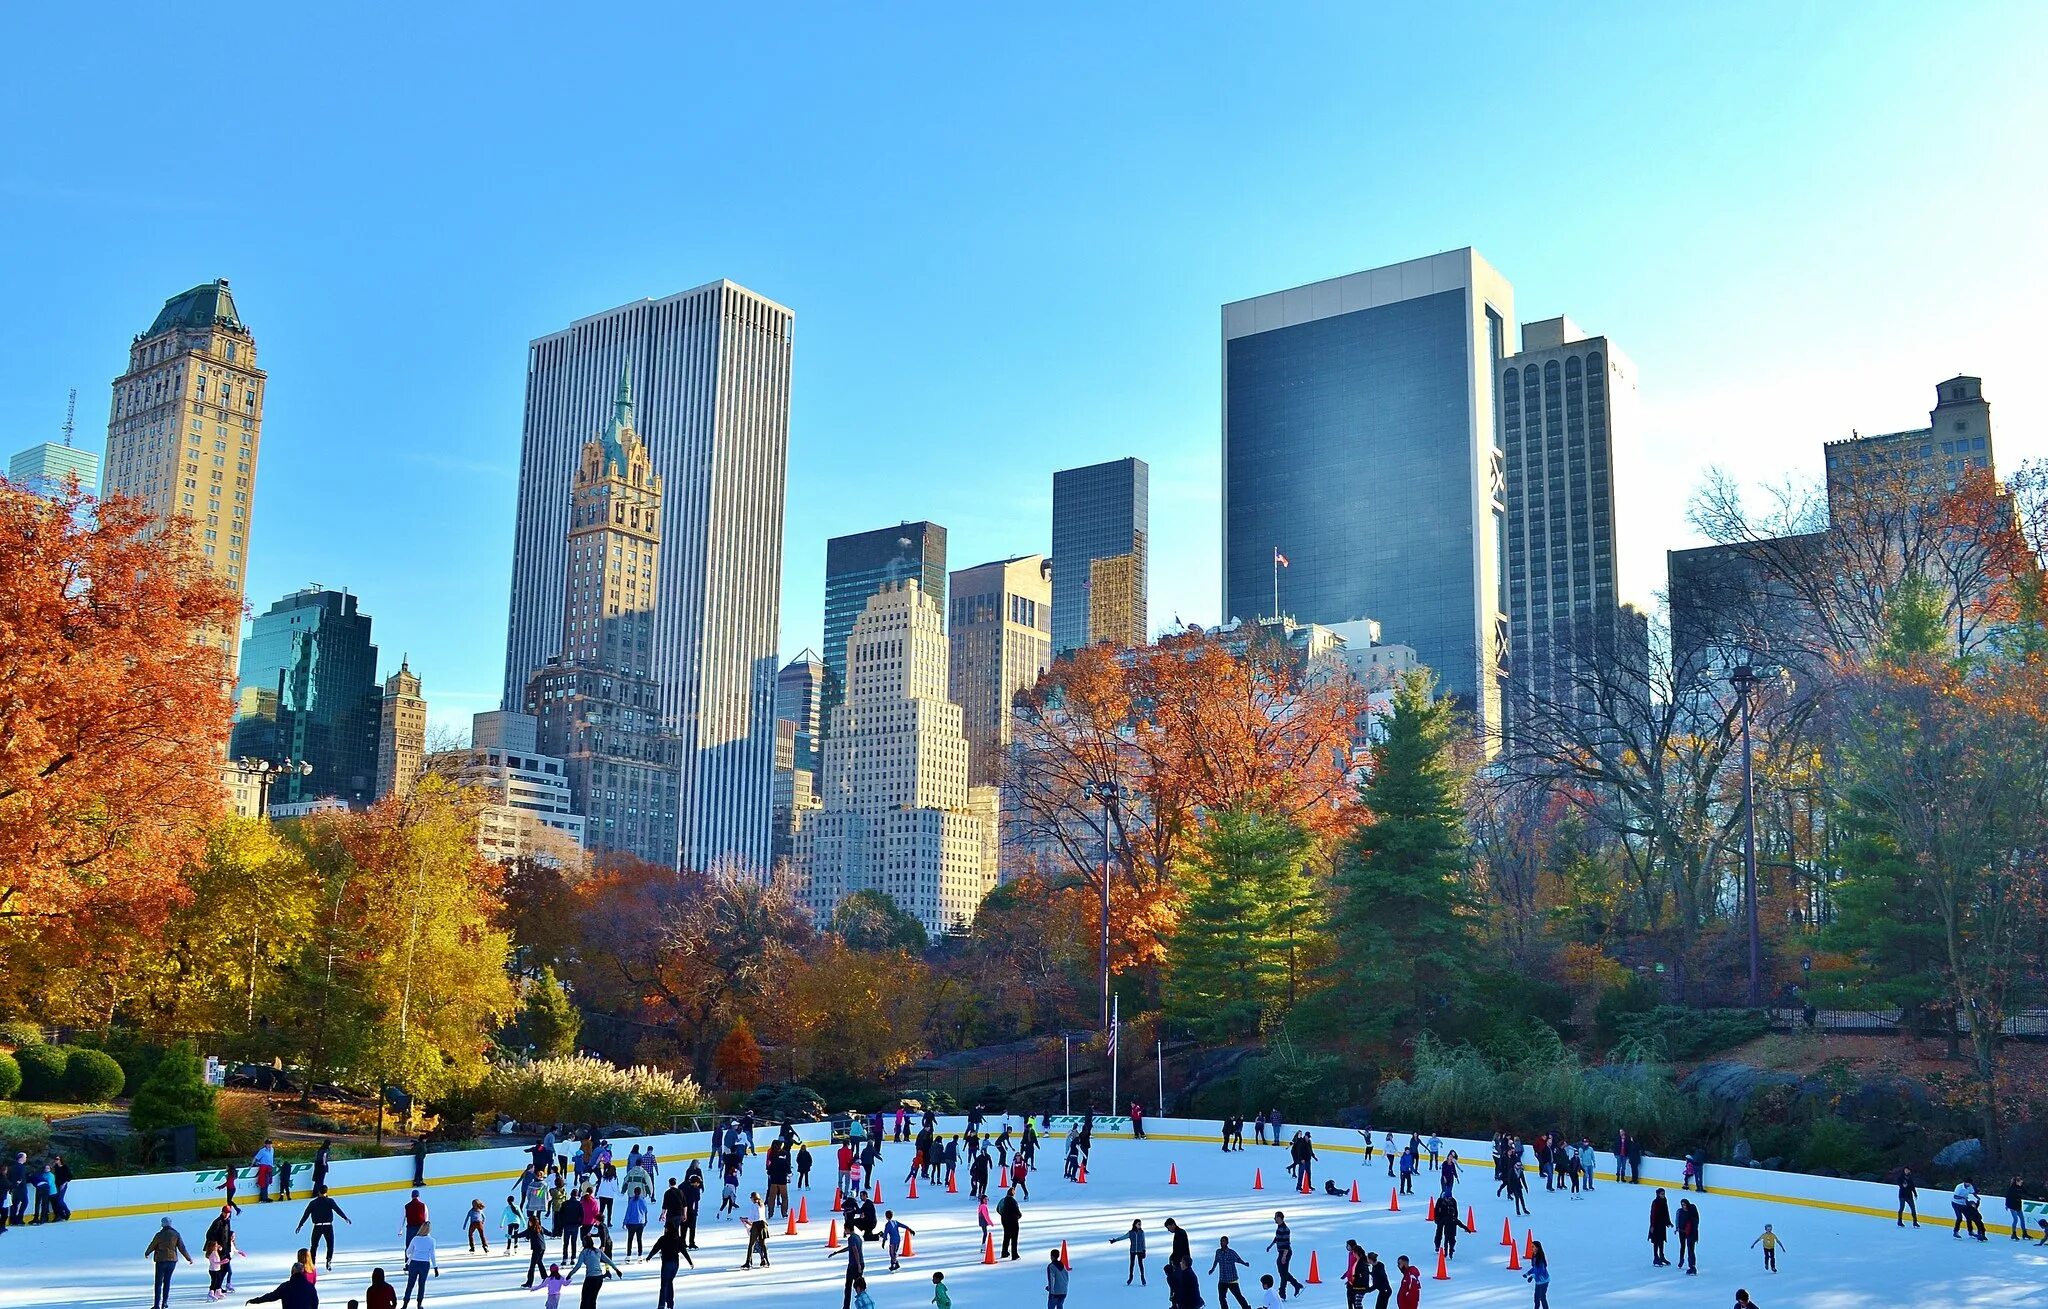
622	419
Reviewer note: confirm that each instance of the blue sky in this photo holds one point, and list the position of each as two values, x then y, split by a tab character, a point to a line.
1005	232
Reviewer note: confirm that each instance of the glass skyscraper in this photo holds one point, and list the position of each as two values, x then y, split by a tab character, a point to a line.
46	469
1359	446
857	567
308	694
1101	515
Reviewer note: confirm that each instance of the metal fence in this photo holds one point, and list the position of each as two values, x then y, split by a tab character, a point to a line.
2029	1024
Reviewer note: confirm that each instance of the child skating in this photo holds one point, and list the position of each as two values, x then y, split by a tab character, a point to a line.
1770	1241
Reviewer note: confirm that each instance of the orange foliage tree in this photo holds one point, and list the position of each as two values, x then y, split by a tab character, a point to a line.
738	1061
1126	749
111	717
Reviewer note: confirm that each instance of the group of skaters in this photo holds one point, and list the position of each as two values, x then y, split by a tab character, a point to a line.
32	1190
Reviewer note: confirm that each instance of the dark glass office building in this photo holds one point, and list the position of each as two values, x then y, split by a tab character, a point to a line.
1359	444
1100	514
856	567
308	694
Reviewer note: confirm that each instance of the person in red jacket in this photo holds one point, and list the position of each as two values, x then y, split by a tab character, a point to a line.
1410	1294
415	1216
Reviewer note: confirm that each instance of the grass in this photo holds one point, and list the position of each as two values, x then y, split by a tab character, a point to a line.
51	1108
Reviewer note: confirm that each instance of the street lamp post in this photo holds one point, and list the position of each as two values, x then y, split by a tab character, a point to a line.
1106	792
1745	681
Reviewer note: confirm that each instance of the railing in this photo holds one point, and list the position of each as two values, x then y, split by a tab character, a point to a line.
2029	1024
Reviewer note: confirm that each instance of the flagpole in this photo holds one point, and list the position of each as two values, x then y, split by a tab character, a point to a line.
1276	582
1116	1048
1160	1056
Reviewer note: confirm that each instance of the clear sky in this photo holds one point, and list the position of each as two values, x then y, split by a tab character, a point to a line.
1006	234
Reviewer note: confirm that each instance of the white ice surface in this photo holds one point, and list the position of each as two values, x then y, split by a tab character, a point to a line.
1598	1248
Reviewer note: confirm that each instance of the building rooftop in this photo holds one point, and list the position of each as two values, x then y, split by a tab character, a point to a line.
198	309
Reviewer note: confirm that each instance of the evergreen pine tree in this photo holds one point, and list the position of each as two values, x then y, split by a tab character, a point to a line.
175	1094
1234	960
1403	917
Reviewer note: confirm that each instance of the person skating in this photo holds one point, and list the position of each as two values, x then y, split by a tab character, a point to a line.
941	1296
380	1294
1687	1224
1771	1242
1011	1215
856	1253
1183	1249
294	1292
1660	1229
1410	1294
1538	1275
2015	1208
1135	1238
893	1232
1225	1265
1445	1211
536	1238
473	1227
1354	1279
1965	1202
595	1265
1742	1300
1909	1197
420	1258
321	1211
1183	1286
1055	1282
1517	1190
1377	1280
757	1242
673	1252
1282	1246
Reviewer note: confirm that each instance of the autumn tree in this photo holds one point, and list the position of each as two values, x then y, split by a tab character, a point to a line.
1236	962
548	1018
1118	752
111	714
737	1064
872	920
1403	920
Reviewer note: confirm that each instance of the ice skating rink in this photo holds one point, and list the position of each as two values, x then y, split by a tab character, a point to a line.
1597	1243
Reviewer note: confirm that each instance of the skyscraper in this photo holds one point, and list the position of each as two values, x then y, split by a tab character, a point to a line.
308	695
1000	642
711	374
1567	413
598	707
1100	513
46	469
799	698
1359	445
857	567
401	732
897	815
186	427
1930	459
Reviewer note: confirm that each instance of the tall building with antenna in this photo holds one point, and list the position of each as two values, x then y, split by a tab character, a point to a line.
47	469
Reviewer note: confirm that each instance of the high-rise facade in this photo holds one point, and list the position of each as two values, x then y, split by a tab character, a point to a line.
711	374
857	567
1567	421
598	707
1001	642
1930	459
799	692
308	698
897	815
48	468
186	427
401	732
1359	444
528	810
1101	515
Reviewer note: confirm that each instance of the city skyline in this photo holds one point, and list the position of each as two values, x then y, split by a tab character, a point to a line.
359	501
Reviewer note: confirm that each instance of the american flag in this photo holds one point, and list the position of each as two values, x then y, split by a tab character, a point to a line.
1279	560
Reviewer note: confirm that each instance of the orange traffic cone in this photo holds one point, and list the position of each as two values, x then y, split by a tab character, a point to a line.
1065	1262
838	1202
878	1193
1354	1193
1507	1235
1258	1179
1529	1250
988	1250
906	1251
1443	1267
1314	1278
913	1188
1514	1257
1394	1202
791	1229
1082	1177
952	1184
1472	1221
803	1209
1173	1175
832	1237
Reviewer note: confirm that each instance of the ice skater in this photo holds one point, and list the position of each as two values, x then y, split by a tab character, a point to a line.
1660	1228
1771	1242
1282	1246
1135	1238
1538	1275
1909	1197
1225	1265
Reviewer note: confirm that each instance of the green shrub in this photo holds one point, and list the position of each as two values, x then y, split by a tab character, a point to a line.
587	1090
780	1102
1305	1085
244	1123
16	1033
176	1095
1638	995
42	1070
10	1077
1833	1145
25	1135
92	1077
1683	1033
137	1057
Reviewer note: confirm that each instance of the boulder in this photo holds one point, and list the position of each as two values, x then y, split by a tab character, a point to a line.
1742	1154
1963	1156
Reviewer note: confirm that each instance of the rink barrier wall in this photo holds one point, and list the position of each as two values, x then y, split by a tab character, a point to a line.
168	1193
